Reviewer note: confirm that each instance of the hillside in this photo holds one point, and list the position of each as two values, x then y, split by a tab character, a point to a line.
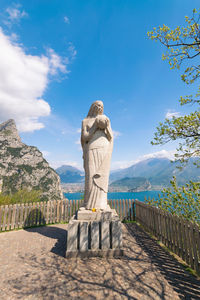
23	166
134	184
158	171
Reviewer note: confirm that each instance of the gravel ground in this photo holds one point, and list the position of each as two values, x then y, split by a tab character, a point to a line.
33	266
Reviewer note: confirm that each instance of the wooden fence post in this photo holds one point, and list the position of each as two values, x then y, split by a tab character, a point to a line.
179	235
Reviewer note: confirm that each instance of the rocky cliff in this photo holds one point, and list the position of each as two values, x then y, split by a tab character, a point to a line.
23	166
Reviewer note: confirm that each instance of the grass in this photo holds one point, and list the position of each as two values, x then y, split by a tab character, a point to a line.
128	221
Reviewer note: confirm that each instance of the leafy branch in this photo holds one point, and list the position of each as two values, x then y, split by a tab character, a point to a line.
183	43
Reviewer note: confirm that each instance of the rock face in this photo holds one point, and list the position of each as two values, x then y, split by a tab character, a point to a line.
23	166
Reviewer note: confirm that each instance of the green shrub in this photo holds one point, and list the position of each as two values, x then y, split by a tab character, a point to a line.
7	132
14	151
182	201
10	183
21	196
26	168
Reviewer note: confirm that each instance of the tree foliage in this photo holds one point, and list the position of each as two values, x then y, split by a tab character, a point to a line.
183	201
183	45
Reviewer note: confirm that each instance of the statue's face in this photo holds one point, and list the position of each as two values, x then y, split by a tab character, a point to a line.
98	108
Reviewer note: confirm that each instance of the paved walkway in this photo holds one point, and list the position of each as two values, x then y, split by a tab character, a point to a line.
32	266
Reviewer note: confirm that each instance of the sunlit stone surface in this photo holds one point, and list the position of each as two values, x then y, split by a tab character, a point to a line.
97	144
95	230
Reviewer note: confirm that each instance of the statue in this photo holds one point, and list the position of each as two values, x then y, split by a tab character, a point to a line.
95	229
97	144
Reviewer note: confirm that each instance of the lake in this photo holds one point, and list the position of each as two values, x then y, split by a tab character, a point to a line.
135	195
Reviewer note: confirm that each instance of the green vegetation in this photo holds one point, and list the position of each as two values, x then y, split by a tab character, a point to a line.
40	165
45	182
10	183
2	166
183	46
182	201
14	151
21	196
26	168
128	221
7	132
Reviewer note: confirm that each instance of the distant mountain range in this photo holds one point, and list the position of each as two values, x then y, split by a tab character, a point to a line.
152	173
159	172
69	174
133	184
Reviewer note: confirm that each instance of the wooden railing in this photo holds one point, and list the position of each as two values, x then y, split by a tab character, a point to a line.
25	215
179	235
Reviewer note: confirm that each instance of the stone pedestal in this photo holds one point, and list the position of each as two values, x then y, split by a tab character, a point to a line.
94	234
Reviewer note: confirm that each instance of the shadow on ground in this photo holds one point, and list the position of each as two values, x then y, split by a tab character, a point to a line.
186	285
145	272
56	233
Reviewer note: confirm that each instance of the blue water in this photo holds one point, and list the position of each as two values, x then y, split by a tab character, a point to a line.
136	195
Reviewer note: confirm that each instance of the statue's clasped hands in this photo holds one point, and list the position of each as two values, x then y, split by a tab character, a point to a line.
102	121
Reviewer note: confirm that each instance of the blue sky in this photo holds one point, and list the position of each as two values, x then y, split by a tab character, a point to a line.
57	57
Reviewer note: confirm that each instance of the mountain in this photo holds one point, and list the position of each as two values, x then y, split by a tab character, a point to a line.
23	166
156	174
69	174
159	172
134	184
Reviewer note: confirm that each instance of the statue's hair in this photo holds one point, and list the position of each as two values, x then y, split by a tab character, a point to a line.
91	111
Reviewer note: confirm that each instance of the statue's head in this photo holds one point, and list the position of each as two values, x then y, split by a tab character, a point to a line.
96	109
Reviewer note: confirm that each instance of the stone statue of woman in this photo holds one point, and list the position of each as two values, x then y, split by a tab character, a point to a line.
97	144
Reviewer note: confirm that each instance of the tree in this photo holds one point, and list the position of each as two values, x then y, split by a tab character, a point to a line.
183	45
181	201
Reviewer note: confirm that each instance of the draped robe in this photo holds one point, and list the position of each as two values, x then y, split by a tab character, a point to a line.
97	155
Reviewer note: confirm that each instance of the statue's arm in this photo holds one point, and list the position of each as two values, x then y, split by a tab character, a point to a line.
86	132
108	131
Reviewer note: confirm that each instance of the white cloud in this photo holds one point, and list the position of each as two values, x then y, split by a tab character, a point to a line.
171	113
66	20
72	51
14	14
45	153
121	164
64	131
23	80
159	154
116	134
56	62
78	142
14	37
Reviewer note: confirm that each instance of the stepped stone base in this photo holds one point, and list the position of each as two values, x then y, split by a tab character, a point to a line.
88	215
92	234
98	253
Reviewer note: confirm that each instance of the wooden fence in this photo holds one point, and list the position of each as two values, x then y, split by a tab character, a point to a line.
42	213
179	235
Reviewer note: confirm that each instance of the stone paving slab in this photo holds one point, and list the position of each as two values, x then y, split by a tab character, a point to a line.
32	266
